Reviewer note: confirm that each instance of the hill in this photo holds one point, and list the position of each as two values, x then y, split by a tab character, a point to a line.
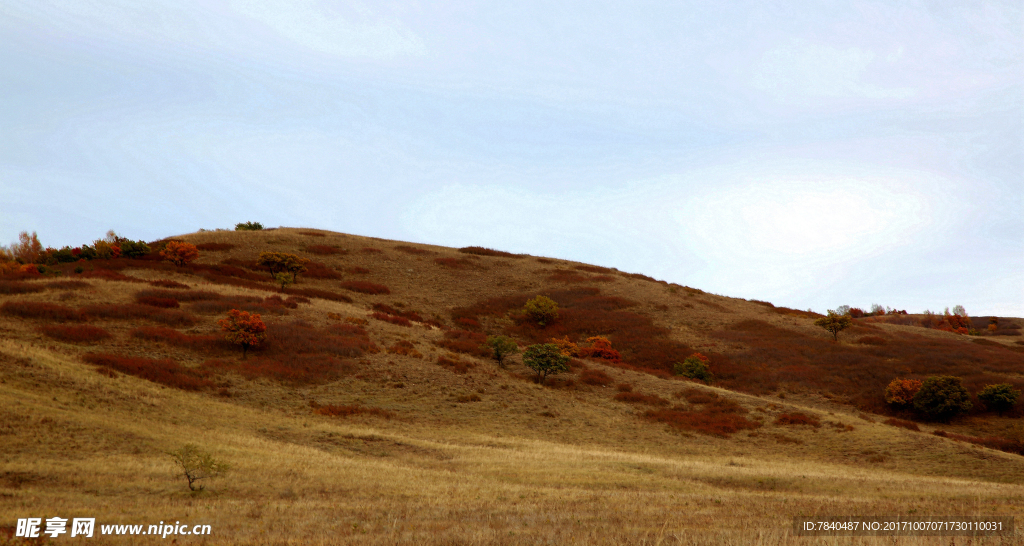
372	415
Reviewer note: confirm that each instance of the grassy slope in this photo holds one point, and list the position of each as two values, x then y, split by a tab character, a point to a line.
524	463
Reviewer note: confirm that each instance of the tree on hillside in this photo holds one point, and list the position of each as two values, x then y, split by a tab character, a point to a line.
834	323
502	347
545	359
282	262
900	392
942	398
695	367
541	310
248	226
999	397
243	329
28	248
179	253
197	465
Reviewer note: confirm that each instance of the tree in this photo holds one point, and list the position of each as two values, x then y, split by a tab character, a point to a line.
243	329
283	279
999	397
900	392
600	347
545	359
28	248
177	252
197	465
942	398
834	323
695	367
282	262
248	226
541	310
502	347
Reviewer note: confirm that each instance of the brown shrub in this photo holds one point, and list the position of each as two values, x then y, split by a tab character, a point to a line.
564	275
909	425
384	308
128	311
595	377
707	421
317	270
481	251
215	247
365	287
458	263
165	371
68	285
318	293
992	442
639	398
412	250
400	321
457	365
109	275
164	303
624	387
871	340
371	250
18	287
41	310
358	271
405	348
797	418
468	398
696	396
83	333
165	283
173	337
294	369
464	341
348	411
312	234
593	269
178	295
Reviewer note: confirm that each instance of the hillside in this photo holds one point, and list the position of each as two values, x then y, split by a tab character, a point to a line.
372	416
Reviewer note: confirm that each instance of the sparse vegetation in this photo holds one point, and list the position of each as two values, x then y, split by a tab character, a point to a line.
197	465
502	346
545	359
834	323
248	226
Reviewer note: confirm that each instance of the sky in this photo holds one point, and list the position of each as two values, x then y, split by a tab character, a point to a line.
811	154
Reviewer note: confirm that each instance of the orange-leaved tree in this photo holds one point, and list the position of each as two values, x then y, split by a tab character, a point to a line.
179	253
244	329
600	347
566	347
900	392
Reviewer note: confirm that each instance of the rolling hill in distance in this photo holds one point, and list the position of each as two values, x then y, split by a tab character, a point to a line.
374	413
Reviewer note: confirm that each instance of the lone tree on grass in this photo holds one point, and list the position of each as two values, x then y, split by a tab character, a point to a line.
695	367
502	347
541	310
999	397
545	359
243	329
197	465
834	323
282	262
942	398
179	253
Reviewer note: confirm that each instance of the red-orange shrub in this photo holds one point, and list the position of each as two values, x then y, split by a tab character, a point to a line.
178	339
464	341
18	287
179	253
41	310
639	398
405	348
243	329
909	425
384	308
707	421
165	371
595	377
365	287
75	334
797	418
401	321
600	348
348	411
165	303
900	392
317	270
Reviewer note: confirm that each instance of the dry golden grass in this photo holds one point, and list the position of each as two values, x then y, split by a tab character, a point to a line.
524	465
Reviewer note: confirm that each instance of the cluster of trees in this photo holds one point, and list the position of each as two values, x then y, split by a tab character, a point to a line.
876	310
28	251
944	397
284	267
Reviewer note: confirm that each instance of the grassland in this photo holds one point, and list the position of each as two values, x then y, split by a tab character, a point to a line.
485	456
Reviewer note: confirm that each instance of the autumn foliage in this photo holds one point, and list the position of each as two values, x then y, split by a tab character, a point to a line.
243	329
179	253
900	392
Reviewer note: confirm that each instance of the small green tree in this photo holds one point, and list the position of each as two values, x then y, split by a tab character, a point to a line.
834	323
248	226
541	310
545	359
999	397
282	262
942	398
283	279
502	347
694	367
197	465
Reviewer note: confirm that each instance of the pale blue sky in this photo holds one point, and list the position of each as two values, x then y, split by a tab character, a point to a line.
811	154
